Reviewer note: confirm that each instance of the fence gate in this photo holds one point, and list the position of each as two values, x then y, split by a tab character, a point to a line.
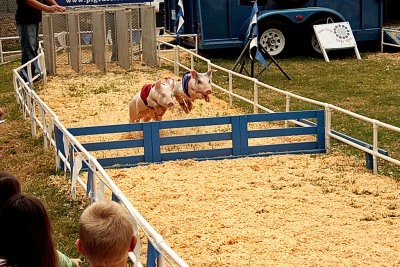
99	40
100	35
122	23
148	21
75	42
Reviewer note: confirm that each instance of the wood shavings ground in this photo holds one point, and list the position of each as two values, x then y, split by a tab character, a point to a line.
305	210
290	210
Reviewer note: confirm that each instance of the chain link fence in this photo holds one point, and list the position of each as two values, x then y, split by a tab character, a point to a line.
97	35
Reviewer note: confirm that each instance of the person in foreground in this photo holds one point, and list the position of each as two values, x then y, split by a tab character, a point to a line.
106	234
9	186
25	233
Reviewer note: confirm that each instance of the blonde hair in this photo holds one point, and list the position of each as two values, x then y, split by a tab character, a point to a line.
105	232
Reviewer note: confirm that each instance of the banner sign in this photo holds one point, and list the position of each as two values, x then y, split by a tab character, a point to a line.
98	2
333	36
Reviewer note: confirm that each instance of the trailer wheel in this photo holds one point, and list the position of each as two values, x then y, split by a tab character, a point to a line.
274	37
311	40
291	3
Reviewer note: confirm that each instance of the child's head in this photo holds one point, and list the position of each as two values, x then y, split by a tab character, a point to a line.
25	231
9	186
106	234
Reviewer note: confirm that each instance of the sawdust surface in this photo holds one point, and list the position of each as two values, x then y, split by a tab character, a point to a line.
290	210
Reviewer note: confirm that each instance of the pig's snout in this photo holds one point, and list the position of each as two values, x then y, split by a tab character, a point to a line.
208	92
170	104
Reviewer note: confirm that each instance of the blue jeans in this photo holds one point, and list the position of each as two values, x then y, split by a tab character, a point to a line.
29	38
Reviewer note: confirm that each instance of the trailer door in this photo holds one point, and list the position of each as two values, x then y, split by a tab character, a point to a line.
222	19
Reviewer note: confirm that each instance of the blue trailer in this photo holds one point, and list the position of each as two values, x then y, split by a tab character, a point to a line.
284	25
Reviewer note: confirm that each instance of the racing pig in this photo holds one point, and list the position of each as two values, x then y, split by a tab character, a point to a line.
152	101
193	86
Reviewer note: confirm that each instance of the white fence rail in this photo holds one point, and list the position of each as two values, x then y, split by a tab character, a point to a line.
6	55
329	108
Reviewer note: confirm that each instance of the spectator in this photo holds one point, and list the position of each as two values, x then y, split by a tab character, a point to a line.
26	239
28	16
9	186
106	234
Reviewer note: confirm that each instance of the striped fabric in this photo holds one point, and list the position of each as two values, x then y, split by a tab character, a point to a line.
64	261
254	35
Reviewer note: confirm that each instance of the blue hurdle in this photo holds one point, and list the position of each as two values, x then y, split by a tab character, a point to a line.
239	137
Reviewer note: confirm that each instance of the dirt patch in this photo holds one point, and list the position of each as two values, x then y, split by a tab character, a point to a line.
304	210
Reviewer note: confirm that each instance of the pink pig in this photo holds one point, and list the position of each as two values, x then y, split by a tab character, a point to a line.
193	86
152	101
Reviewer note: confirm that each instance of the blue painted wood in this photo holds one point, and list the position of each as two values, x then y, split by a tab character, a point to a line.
239	136
59	143
361	143
126	160
321	130
236	137
244	136
194	122
195	138
283	147
156	143
197	154
148	143
106	129
282	132
108	145
297	152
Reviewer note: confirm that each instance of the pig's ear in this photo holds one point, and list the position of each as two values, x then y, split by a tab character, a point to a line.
193	73
209	73
157	85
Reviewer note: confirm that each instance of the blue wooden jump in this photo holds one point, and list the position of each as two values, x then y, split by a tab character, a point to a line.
239	137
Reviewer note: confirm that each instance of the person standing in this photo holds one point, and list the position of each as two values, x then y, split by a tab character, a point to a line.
27	17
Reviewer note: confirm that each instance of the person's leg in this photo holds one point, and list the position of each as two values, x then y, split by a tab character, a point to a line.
29	38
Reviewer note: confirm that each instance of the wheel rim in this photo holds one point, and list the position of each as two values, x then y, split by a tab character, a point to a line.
273	40
315	44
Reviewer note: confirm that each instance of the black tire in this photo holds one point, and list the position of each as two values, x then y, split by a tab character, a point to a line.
291	3
275	37
311	41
